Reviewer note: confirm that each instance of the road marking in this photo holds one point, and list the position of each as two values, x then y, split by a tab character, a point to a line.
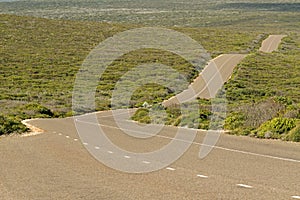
245	186
296	197
126	111
97	148
170	168
85	143
67	136
127	157
59	134
202	176
197	143
110	152
146	162
75	140
54	132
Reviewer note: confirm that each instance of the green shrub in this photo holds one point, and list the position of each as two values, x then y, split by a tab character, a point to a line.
240	131
11	125
35	110
142	116
234	120
294	134
284	100
276	127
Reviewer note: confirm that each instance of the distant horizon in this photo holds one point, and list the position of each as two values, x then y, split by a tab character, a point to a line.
8	0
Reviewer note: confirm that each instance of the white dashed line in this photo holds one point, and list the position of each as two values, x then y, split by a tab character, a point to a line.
75	140
54	132
85	143
127	157
197	143
110	152
59	134
202	176
296	197
146	162
244	186
170	168
97	148
67	136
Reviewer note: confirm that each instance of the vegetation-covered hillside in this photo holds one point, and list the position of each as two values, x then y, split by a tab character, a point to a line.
40	58
258	14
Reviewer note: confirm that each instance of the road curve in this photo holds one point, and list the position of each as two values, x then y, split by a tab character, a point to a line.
217	72
210	80
56	165
271	43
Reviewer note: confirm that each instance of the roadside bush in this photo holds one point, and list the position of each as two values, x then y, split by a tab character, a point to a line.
11	125
234	121
35	110
275	128
294	134
142	116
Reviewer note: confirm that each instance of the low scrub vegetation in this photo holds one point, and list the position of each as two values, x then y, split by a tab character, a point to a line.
294	134
40	59
264	91
263	95
275	128
9	124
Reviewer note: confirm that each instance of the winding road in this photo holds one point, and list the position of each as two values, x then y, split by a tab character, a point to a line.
56	164
271	43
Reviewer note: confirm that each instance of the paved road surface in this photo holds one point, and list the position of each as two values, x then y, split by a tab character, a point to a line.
271	43
224	64
216	73
55	165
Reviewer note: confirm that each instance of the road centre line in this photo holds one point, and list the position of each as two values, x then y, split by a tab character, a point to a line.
197	143
202	176
245	186
296	197
170	168
127	157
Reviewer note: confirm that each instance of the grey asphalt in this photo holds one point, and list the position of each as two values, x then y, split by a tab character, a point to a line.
56	165
210	80
271	43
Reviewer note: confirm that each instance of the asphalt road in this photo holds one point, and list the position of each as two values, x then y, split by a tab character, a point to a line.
56	165
219	71
271	43
210	80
